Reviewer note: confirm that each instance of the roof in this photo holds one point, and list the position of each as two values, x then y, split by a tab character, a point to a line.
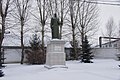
14	47
108	42
111	42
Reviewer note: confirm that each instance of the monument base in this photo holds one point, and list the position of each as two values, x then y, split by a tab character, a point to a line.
55	66
55	56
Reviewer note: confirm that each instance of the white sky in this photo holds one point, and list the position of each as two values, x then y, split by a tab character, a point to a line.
105	12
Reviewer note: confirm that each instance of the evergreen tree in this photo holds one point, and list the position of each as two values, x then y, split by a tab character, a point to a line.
35	42
35	55
1	73
86	54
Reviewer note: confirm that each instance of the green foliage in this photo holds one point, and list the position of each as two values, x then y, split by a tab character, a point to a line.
86	54
35	43
35	55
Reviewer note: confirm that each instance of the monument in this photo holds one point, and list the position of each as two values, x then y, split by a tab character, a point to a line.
55	56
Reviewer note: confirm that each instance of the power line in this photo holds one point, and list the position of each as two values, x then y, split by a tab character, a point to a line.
103	2
116	3
107	1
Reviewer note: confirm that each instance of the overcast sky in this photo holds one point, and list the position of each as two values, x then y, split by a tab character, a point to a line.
105	12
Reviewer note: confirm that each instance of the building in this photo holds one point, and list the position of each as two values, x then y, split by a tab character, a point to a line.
107	50
112	44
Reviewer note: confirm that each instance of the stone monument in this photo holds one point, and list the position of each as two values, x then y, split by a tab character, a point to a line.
55	56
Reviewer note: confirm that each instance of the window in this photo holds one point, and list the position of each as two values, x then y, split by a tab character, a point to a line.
115	45
110	45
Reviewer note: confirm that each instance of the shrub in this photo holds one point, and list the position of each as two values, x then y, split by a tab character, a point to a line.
35	55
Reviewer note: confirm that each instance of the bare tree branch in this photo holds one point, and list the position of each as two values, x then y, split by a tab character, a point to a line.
4	7
21	14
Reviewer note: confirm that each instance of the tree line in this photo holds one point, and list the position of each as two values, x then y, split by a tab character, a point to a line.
78	19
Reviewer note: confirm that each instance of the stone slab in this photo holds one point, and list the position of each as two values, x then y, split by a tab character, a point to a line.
55	54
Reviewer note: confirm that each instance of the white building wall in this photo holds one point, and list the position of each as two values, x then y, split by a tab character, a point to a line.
12	55
118	44
105	53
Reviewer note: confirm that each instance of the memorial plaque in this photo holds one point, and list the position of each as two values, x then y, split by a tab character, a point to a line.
57	48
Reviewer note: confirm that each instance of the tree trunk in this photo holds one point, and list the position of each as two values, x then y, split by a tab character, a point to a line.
82	34
22	42
74	45
1	38
73	29
42	36
43	48
0	56
22	47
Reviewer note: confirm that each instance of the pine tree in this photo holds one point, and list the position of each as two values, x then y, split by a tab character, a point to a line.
35	43
35	55
1	73
86	54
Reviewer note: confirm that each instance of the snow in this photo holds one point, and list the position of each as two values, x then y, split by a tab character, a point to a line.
101	69
67	45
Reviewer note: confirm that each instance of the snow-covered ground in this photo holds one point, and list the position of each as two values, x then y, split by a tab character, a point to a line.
99	70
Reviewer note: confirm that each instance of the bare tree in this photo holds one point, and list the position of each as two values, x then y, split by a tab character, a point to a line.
87	22
110	28
4	11
21	14
88	16
62	13
83	16
43	15
73	21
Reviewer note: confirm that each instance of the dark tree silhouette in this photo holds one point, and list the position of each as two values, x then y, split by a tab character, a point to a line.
1	73
35	55
86	54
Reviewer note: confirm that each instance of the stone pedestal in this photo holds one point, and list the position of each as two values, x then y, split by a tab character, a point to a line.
55	56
